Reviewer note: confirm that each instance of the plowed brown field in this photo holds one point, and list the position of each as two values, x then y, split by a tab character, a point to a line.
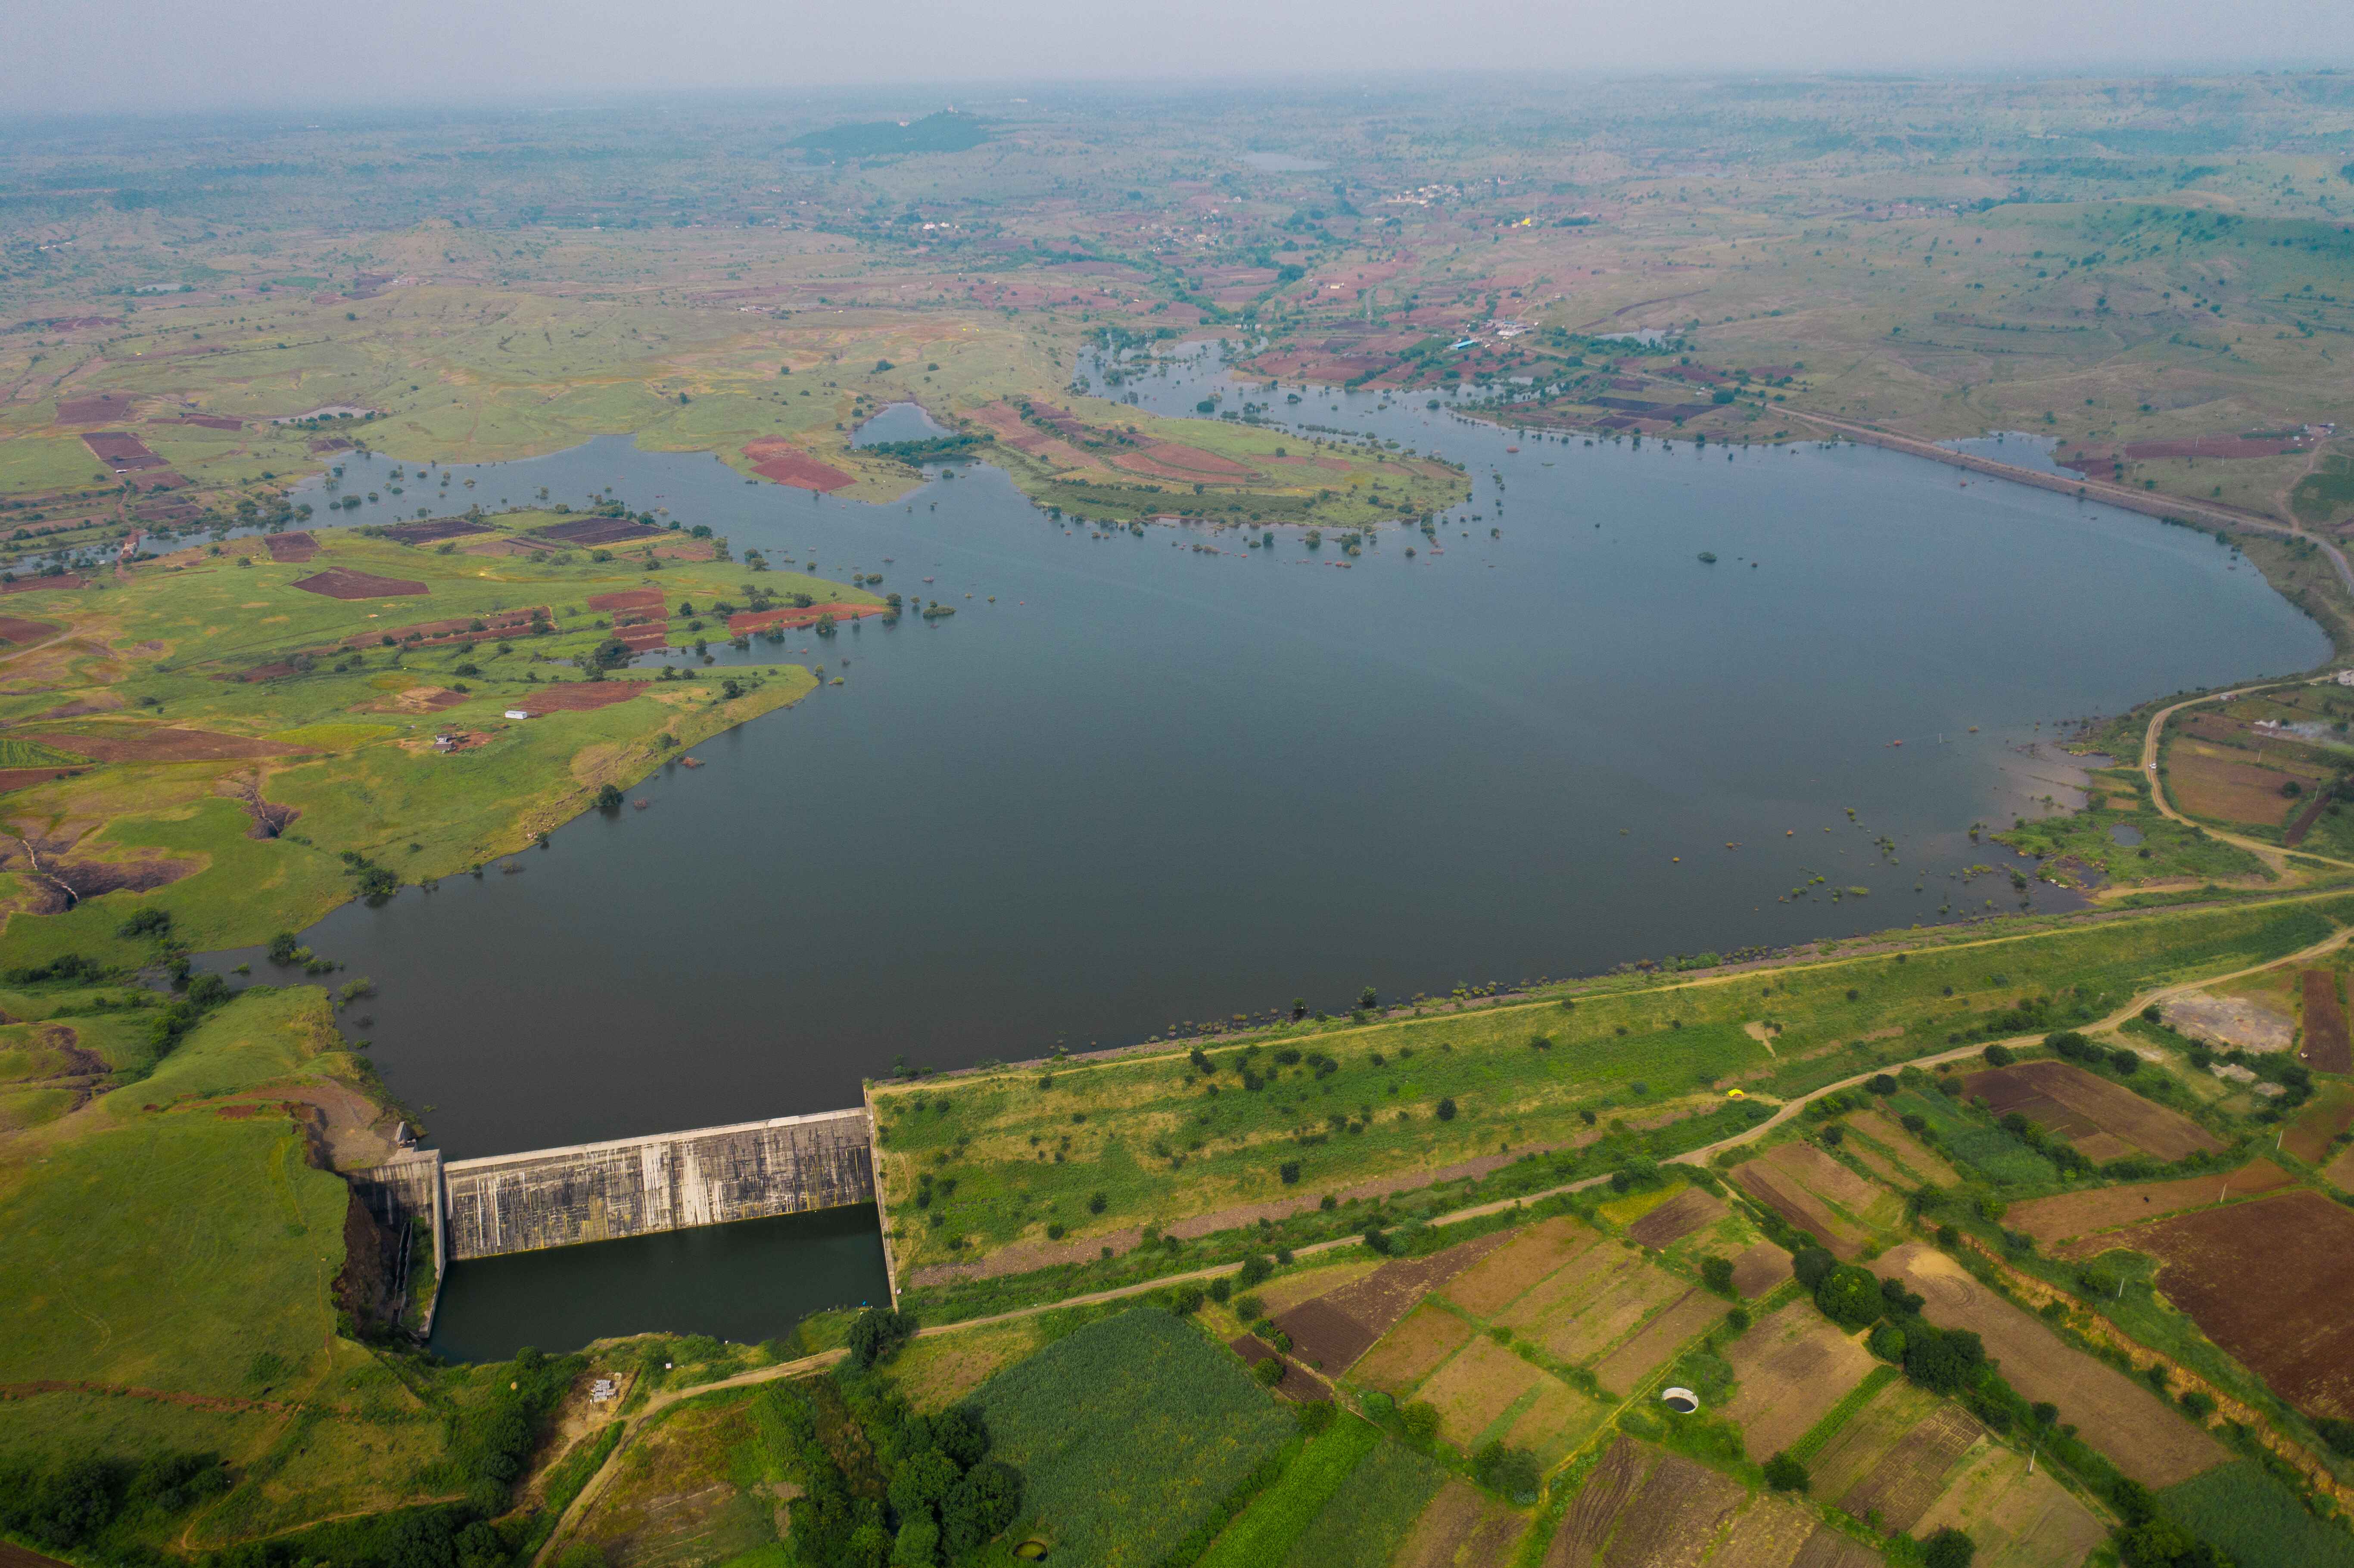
2105	1208
2105	1120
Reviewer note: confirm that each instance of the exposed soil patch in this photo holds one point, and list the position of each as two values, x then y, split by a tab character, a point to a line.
210	421
16	629
2069	1214
42	585
597	531
339	582
579	696
291	547
1411	1351
160	743
1760	1269
2104	1120
2135	1429
1460	1526
2326	1048
1677	1218
420	700
2227	1022
785	463
2268	1281
268	821
435	528
1505	1275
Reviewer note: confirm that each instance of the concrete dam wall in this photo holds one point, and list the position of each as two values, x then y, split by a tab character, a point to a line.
634	1186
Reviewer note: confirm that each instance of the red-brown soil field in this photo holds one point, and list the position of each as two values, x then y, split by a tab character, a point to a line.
2104	1120
2269	1282
14	629
574	696
291	547
785	463
754	619
1794	1180
2326	1048
1793	1367
339	582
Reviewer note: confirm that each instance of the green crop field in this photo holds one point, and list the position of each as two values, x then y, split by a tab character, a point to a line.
1130	1435
1989	1150
2256	1519
1369	1513
1280	1517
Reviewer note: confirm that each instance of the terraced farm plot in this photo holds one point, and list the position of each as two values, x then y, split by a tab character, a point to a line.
2103	1119
1793	1367
2018	1519
1331	1330
1411	1352
1810	1189
1643	1507
1475	1389
1987	1151
1759	1267
2268	1281
1460	1529
2317	1127
1511	1271
2085	1214
1624	1368
1909	1478
2141	1434
1909	1151
1678	1217
1585	1309
1869	1437
1556	1421
2217	782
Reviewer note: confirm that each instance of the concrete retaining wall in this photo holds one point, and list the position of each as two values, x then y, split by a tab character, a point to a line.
635	1186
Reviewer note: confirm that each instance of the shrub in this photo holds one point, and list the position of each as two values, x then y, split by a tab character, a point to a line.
2198	1404
2125	1062
1999	1056
2338	1434
1812	1264
1186	1299
1849	1296
1269	1371
1254	1271
876	1334
1941	1360
1882	1085
608	798
1447	1108
1098	1203
1716	1273
1512	1471
1949	1548
1887	1342
1785	1473
1289	1172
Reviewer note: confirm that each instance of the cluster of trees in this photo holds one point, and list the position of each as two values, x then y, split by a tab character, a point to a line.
943	1497
71	1506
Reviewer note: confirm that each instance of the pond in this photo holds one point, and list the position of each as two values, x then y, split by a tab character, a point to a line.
1138	782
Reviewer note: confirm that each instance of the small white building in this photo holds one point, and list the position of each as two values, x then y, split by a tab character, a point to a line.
2346	677
518	713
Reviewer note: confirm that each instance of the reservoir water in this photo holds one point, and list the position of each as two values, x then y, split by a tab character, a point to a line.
1140	781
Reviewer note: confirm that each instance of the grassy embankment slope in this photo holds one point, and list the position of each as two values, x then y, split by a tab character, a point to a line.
999	1155
346	741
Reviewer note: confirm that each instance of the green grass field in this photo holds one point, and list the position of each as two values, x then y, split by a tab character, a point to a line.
1369	1513
1158	1141
1130	1435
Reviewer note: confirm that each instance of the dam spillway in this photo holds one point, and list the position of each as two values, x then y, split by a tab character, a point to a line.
666	1181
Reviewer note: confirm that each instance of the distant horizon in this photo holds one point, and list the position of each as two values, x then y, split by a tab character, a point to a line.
883	96
149	59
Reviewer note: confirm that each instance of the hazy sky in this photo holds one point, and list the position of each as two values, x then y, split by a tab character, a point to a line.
67	55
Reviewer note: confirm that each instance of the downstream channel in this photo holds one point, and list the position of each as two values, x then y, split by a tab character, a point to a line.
1139	781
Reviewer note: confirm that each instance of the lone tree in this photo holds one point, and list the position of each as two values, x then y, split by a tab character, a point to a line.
1785	1473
